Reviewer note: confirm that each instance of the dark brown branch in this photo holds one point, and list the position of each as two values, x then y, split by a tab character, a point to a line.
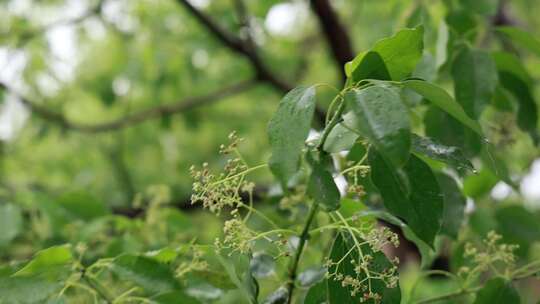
246	49
137	117
336	35
240	46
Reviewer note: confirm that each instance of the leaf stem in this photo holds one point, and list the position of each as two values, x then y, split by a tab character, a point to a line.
333	122
96	286
303	239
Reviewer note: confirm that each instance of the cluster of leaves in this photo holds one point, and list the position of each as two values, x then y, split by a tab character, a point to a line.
402	144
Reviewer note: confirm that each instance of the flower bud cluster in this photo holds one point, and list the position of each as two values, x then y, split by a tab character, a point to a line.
490	254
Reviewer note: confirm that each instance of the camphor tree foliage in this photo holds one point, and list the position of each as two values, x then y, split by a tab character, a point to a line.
433	115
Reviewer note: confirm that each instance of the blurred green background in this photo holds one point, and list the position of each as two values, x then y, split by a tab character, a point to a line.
91	62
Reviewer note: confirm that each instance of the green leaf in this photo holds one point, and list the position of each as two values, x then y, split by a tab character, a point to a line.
27	290
402	51
317	294
527	116
462	22
399	53
322	188
441	99
339	139
475	79
411	193
262	265
345	250
146	272
311	276
484	7
163	255
449	155
518	226
510	63
174	297
82	205
367	65
47	260
477	185
454	205
427	253
231	272
216	278
448	131
516	80
288	130
521	38
10	223
497	290
378	113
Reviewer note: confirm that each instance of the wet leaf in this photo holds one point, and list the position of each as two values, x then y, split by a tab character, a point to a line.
378	113
447	154
411	193
288	129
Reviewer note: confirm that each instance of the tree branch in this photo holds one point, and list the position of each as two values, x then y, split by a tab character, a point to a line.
336	35
240	46
137	117
246	49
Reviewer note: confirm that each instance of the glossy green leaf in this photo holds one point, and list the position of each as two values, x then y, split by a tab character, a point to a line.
378	113
448	131
344	249
411	193
475	79
477	185
47	260
317	294
368	65
10	223
145	272
454	205
521	38
340	139
434	150
288	130
322	188
402	51
441	99
497	290
174	297
82	205
399	53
